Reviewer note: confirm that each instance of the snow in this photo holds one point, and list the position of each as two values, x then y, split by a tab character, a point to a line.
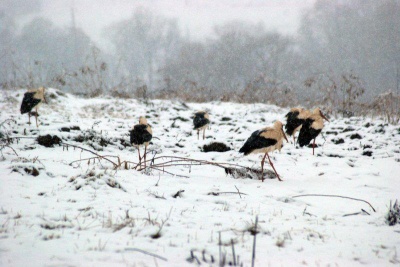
68	215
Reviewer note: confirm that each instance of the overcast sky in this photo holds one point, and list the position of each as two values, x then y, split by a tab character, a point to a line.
196	17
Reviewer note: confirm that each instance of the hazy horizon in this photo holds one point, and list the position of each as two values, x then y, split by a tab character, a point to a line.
196	19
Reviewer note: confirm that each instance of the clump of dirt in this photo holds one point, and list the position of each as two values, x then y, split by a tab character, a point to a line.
249	173
31	171
338	141
225	119
393	215
216	147
355	136
367	153
48	140
94	139
68	129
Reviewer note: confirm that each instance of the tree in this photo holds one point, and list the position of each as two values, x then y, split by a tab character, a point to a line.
359	36
144	43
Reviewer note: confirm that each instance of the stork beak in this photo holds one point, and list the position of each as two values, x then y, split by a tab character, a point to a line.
323	116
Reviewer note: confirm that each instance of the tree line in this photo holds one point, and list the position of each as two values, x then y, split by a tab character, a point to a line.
343	51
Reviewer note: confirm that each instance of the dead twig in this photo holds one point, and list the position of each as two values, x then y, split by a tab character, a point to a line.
218	193
238	191
92	152
253	257
322	195
178	194
147	253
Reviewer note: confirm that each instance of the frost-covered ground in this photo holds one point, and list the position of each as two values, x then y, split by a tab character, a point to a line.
87	214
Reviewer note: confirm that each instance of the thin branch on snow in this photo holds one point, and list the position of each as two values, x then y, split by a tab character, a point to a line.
147	253
322	195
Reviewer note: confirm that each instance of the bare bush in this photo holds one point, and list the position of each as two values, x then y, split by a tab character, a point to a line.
337	94
266	90
387	105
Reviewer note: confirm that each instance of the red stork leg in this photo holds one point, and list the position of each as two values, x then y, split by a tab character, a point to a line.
145	149
313	145
140	159
272	165
36	114
262	167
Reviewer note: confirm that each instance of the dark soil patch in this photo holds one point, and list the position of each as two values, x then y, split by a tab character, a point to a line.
48	140
355	136
216	147
180	119
68	129
366	146
349	129
334	156
332	132
226	119
338	141
367	153
31	171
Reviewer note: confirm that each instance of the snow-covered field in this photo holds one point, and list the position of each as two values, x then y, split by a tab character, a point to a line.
89	214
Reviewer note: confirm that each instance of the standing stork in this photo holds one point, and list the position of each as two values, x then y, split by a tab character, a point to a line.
200	121
141	134
264	141
32	99
311	128
294	120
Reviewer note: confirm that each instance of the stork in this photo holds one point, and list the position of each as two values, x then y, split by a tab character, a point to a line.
141	134
33	99
311	128
294	120
200	121
265	140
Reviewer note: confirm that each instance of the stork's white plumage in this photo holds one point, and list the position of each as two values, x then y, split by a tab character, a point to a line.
200	121
311	128
33	99
265	140
141	134
295	118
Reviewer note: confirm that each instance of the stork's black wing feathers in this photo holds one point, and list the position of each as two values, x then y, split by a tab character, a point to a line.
293	122
307	133
28	102
199	120
255	141
140	135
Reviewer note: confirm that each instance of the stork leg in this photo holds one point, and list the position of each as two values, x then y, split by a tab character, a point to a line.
198	134
145	149
36	113
272	165
29	114
294	140
204	133
313	146
262	167
140	159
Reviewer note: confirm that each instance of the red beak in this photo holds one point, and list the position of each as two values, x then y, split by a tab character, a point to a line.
323	116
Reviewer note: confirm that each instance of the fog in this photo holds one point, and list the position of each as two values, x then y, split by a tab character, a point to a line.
196	19
320	52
